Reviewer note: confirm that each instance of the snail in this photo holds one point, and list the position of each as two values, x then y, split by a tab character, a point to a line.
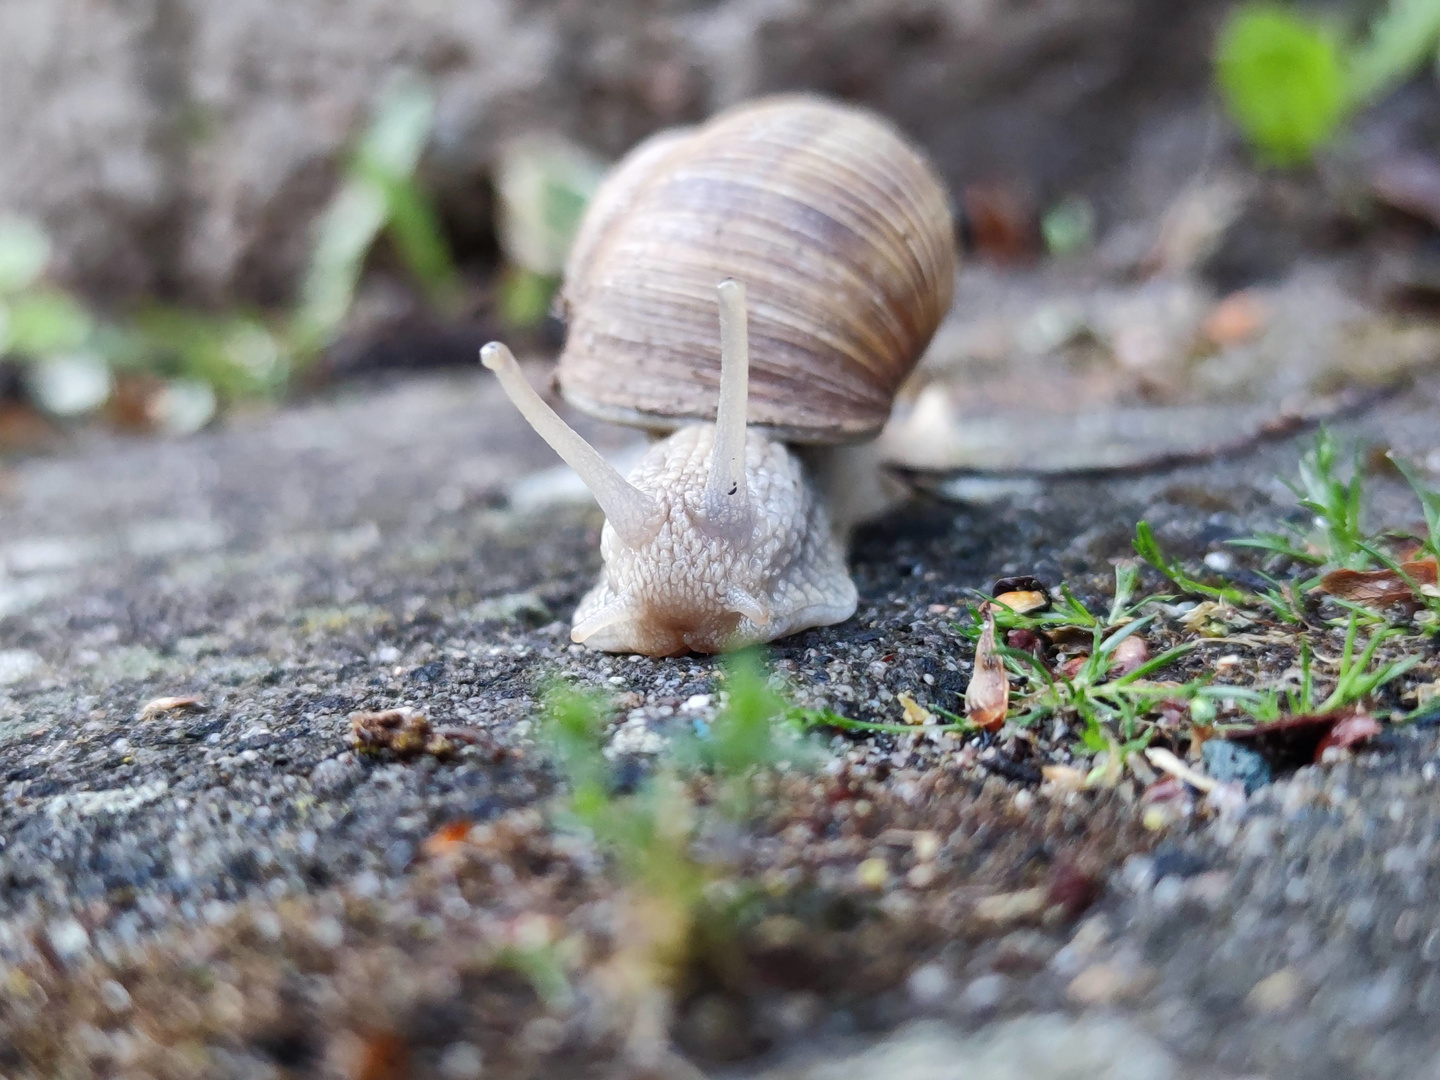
829	244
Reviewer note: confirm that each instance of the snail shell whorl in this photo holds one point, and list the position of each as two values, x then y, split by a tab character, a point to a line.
840	231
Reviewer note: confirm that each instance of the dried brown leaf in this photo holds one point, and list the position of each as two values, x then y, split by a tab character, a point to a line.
987	698
156	706
448	839
1236	319
1379	587
1292	740
405	732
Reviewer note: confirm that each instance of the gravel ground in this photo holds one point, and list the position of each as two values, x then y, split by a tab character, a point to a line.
360	553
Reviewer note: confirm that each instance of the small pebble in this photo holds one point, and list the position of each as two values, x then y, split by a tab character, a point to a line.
1138	873
985	994
926	845
461	1061
872	873
921	876
1274	994
115	996
929	985
68	938
1105	984
543	1035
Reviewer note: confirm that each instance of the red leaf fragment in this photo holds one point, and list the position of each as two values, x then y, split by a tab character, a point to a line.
1072	888
1348	732
999	222
1174	713
1026	641
1300	740
1167	789
382	1056
448	839
1129	655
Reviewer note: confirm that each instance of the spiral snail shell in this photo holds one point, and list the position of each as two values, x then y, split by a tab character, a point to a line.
840	231
839	234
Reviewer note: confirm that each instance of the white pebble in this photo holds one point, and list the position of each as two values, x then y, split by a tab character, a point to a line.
461	1061
69	938
928	985
985	993
115	996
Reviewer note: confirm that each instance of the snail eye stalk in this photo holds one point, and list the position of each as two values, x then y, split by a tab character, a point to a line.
634	516
726	506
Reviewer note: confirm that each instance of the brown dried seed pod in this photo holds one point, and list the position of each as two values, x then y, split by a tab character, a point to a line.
840	231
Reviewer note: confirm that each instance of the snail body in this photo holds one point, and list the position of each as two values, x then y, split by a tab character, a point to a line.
841	234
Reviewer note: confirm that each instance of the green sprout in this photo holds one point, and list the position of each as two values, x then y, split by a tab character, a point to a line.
1401	38
1284	81
542	965
1337	536
1292	82
742	739
1355	680
1429	505
542	186
647	832
1279	598
1106	703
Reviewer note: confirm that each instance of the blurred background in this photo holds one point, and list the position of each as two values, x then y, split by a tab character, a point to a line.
207	208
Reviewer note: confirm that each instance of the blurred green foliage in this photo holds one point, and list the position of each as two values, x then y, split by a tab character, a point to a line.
198	360
543	184
648	830
1401	39
525	297
1068	227
378	193
1283	80
1291	81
